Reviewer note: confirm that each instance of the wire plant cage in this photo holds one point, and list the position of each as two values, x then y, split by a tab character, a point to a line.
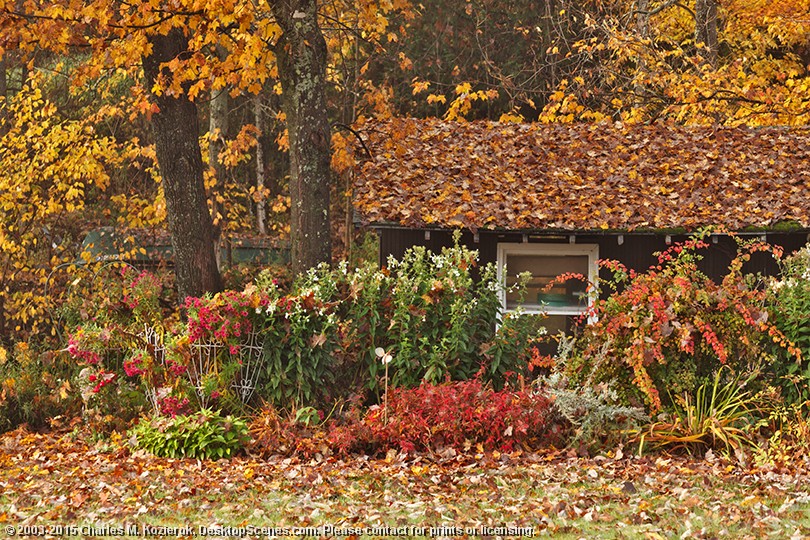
251	360
157	348
206	364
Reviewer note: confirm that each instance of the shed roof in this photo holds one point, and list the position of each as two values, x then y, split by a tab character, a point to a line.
489	175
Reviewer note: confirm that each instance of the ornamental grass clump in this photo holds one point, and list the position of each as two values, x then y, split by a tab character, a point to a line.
722	415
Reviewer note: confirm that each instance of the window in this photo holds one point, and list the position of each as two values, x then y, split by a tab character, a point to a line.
564	301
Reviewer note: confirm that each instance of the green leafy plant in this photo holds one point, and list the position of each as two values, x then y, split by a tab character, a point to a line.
789	306
202	435
720	416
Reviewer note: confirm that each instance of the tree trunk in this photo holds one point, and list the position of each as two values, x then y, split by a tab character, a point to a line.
706	29
301	53
261	201
3	115
218	128
643	30
179	158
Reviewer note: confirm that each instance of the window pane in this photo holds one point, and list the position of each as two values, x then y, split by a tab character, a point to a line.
544	268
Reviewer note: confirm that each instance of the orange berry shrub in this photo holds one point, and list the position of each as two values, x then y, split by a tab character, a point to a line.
666	331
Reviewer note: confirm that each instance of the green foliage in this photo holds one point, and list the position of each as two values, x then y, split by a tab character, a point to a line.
789	306
440	318
308	416
667	330
722	415
427	311
203	435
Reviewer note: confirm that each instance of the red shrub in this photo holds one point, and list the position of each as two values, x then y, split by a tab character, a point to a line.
460	415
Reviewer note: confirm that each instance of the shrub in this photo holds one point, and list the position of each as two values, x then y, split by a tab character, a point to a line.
460	415
789	305
429	312
597	418
34	388
670	328
202	435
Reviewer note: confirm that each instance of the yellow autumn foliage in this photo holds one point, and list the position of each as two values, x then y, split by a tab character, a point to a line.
49	165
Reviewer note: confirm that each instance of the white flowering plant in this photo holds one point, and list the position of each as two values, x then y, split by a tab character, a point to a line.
789	307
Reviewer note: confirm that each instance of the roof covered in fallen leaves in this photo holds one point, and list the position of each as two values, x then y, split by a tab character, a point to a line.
488	175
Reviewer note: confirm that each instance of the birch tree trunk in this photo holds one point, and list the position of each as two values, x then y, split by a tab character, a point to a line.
261	215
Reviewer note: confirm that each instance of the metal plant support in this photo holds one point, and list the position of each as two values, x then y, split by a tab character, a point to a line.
156	346
205	364
251	359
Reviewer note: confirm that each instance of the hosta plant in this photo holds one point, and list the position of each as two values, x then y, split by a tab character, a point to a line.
202	435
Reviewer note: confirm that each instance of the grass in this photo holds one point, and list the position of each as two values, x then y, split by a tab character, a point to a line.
50	481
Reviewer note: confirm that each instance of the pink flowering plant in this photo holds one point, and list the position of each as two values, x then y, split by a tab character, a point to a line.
666	331
218	328
87	344
141	293
225	317
119	363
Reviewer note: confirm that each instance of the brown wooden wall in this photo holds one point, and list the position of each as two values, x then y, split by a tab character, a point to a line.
636	251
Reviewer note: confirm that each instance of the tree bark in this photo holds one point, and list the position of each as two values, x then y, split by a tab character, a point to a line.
218	128
643	30
706	29
301	53
176	132
261	203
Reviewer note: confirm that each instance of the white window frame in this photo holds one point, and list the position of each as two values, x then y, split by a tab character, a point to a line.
591	250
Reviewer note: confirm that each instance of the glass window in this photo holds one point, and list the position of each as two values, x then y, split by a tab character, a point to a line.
560	300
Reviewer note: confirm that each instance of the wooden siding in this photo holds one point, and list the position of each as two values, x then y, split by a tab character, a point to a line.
636	251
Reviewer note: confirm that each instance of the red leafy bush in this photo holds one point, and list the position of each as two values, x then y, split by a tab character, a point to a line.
460	415
668	330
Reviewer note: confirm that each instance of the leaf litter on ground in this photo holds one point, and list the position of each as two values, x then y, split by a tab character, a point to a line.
63	478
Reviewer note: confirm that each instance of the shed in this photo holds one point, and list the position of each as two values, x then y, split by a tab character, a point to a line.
556	198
